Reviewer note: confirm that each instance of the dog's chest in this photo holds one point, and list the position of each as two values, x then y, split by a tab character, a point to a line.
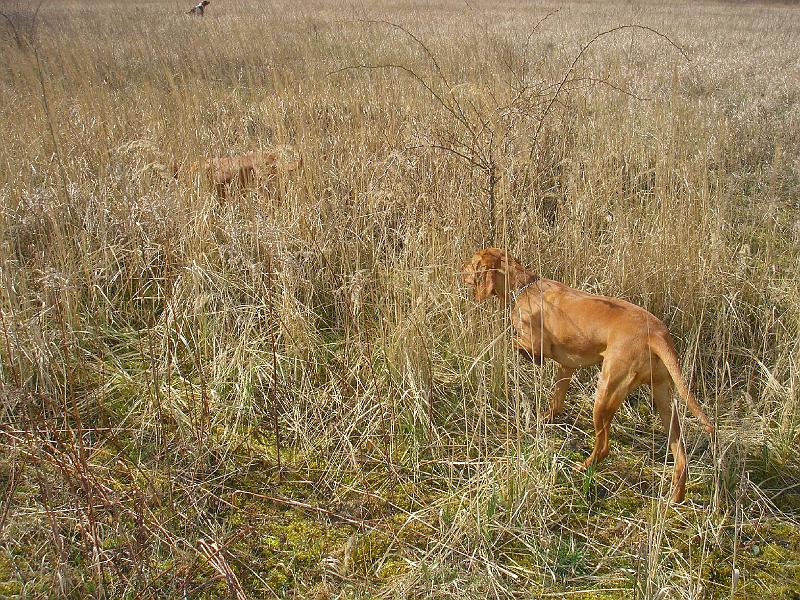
525	319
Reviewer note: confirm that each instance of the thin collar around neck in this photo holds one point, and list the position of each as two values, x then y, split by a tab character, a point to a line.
518	291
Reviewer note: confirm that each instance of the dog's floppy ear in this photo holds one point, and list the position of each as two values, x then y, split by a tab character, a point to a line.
484	283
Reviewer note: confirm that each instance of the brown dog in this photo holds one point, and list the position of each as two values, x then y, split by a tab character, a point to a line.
242	170
577	329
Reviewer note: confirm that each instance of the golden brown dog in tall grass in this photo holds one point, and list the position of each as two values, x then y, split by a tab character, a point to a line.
577	329
248	170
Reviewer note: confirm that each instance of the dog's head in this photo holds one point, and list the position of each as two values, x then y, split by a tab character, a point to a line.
493	272
484	272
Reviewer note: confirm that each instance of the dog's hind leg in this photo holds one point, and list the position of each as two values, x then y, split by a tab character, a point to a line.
611	391
662	399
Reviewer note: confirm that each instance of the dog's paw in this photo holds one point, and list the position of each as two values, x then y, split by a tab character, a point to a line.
585	465
552	417
581	467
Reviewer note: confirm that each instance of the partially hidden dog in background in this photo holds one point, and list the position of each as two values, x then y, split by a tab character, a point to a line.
200	9
577	329
249	170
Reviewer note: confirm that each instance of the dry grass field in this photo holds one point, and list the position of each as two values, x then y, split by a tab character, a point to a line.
290	393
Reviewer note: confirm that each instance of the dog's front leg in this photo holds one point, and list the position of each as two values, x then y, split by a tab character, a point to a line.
563	377
527	353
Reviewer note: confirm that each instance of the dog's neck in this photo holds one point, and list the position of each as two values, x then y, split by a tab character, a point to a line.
514	281
517	292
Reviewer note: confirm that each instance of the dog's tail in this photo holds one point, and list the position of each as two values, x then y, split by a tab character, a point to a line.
664	350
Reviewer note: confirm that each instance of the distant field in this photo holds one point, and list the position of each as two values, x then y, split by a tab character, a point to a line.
291	394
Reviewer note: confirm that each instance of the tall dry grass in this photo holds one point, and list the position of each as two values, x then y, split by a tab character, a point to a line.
291	394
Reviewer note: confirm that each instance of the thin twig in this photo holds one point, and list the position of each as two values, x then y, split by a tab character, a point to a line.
575	62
